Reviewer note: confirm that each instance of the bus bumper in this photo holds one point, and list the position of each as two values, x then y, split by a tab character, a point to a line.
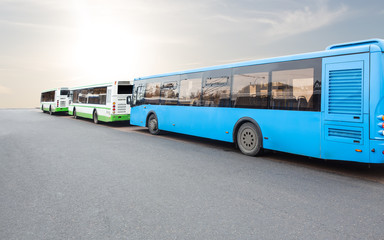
61	109
115	118
123	117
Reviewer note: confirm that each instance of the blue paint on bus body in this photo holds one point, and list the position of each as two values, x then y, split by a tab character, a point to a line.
347	130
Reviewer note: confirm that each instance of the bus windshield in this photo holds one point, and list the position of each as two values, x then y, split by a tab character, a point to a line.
124	89
64	92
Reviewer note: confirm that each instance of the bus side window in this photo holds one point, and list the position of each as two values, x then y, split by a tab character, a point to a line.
216	92
83	96
250	90
109	91
152	93
292	89
190	92
75	97
169	93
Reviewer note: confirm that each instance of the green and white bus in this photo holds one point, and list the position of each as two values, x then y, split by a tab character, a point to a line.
108	102
55	100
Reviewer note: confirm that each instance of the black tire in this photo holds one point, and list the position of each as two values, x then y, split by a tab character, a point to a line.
249	139
74	114
95	119
153	126
42	108
50	110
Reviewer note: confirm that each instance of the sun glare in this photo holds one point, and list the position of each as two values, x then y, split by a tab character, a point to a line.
106	50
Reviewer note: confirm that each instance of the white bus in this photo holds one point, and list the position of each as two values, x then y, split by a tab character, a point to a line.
108	102
55	100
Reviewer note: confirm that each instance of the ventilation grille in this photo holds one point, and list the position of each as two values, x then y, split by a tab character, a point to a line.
121	108
345	92
344	133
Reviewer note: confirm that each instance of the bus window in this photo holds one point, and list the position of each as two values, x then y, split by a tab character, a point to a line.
102	93
75	96
64	92
292	89
190	92
216	92
83	96
109	95
138	99
124	89
152	93
169	93
97	95
250	90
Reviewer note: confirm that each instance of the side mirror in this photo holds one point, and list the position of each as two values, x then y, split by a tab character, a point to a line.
129	99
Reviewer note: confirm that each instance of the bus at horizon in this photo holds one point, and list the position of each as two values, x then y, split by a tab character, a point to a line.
107	102
55	100
327	104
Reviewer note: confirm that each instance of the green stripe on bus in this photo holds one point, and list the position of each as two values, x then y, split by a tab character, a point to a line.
124	117
57	109
90	107
61	109
113	118
84	115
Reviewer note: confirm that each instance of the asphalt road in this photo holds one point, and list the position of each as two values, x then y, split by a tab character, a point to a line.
62	178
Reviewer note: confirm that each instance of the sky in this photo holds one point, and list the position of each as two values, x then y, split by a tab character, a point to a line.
46	44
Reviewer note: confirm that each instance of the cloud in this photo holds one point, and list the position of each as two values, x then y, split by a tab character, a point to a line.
284	20
302	20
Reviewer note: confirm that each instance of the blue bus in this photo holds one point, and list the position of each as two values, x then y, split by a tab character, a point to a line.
326	105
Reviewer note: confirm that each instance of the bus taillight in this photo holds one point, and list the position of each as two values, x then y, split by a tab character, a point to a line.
114	107
57	103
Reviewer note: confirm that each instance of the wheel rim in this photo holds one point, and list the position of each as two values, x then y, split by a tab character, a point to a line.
248	139
153	124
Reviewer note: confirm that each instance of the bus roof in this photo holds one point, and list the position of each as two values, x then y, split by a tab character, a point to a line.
371	45
93	85
103	84
54	89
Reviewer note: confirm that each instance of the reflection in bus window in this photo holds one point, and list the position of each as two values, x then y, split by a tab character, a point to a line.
292	89
250	90
216	92
152	93
83	96
190	92
169	93
138	98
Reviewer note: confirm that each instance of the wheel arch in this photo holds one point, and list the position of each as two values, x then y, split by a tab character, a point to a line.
148	115
240	122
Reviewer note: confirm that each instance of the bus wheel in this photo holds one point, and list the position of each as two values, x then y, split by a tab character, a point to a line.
152	124
42	108
50	110
74	113
95	120
249	139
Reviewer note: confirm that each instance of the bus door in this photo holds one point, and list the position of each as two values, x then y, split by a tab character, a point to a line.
345	108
